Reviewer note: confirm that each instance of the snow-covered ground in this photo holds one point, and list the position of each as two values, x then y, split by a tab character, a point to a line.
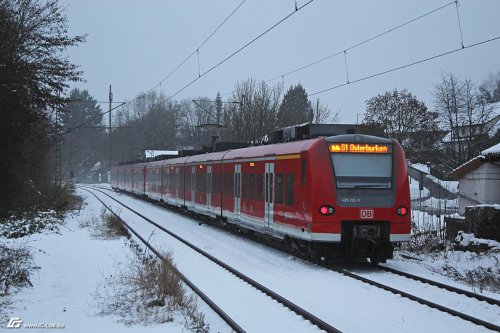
72	264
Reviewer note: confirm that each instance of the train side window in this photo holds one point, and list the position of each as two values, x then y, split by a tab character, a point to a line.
244	186
271	190
260	187
289	189
215	182
229	184
279	189
207	182
187	178
218	182
225	184
251	186
201	182
303	171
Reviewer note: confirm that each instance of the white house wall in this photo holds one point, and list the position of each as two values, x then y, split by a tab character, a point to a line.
480	186
492	183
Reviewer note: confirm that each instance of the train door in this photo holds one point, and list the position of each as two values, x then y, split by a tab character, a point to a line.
237	190
209	187
268	205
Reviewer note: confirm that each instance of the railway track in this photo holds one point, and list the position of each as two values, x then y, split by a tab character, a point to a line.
321	325
467	293
434	305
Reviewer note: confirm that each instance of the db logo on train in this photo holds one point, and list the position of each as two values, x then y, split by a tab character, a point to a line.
366	213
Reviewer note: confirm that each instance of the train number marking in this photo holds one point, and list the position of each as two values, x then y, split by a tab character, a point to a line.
366	213
351	200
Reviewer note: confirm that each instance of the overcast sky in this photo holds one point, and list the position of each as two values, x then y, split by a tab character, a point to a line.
133	45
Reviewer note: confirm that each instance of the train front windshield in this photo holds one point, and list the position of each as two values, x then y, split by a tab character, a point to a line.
367	170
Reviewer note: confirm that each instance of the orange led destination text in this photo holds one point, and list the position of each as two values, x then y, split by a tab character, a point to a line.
358	148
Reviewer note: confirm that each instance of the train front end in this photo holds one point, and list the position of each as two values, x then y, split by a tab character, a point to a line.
371	191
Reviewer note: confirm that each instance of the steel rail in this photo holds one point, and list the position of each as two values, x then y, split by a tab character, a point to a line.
287	303
439	307
201	294
433	305
470	294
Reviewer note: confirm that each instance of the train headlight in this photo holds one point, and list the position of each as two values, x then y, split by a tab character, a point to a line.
402	210
326	210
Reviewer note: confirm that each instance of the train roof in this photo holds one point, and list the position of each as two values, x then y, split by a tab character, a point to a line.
293	147
273	149
361	138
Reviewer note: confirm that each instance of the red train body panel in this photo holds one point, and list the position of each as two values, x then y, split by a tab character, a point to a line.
347	194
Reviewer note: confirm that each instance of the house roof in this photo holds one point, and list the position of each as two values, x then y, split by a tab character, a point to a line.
491	127
487	155
467	167
495	150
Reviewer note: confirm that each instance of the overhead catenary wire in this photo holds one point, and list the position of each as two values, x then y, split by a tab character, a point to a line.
459	25
200	75
239	50
197	50
407	65
91	119
361	43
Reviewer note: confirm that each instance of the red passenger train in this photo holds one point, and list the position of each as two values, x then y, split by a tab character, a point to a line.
328	197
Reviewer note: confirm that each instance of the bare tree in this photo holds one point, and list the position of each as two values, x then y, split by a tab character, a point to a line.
448	100
323	114
251	111
198	122
147	122
463	111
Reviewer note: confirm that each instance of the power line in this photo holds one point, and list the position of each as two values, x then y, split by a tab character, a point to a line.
361	43
92	119
407	65
196	51
240	49
163	80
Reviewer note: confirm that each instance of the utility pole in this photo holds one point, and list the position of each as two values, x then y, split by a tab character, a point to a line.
58	173
109	136
317	112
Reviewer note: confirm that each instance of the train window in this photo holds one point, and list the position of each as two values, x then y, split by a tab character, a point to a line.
289	189
303	171
229	184
372	171
279	189
237	187
218	182
208	183
187	178
224	184
260	187
251	186
244	186
215	183
271	189
201	182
